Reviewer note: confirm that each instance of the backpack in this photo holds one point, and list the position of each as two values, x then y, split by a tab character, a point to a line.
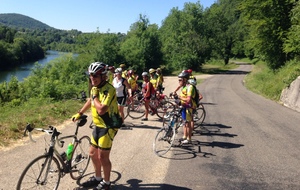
197	96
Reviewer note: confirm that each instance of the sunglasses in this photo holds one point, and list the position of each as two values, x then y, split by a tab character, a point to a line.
94	76
180	80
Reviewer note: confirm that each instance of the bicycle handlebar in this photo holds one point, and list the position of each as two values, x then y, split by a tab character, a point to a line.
80	122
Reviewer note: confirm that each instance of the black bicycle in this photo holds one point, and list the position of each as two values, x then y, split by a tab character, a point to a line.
45	171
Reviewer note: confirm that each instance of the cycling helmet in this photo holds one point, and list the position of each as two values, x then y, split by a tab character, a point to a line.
189	71
97	68
151	71
183	74
118	70
145	74
192	82
122	65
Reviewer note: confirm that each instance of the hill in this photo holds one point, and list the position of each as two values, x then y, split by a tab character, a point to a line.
14	20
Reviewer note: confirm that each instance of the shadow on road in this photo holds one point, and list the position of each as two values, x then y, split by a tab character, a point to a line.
131	183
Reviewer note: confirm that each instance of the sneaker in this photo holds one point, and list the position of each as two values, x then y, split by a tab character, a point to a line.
123	125
92	182
181	139
145	119
186	141
102	185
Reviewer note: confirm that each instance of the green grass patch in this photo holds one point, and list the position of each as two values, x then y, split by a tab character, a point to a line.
269	83
39	112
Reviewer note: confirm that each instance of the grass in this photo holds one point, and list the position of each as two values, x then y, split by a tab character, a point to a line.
39	112
269	83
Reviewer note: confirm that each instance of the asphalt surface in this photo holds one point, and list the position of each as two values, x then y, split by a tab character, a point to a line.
246	142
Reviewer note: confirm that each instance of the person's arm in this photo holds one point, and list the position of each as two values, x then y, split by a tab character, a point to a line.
128	88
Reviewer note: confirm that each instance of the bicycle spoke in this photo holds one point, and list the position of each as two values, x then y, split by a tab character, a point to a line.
41	173
164	140
80	158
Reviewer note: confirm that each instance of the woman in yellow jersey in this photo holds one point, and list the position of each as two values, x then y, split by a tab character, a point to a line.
160	80
103	104
132	81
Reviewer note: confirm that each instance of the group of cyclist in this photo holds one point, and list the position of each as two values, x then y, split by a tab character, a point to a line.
109	88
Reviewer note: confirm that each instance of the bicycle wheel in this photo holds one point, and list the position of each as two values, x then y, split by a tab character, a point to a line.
199	116
80	158
41	173
163	140
137	110
164	108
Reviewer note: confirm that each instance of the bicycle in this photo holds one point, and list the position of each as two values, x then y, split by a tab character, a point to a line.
46	170
165	137
199	114
157	105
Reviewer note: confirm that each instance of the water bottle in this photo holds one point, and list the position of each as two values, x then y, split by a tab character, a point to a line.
70	151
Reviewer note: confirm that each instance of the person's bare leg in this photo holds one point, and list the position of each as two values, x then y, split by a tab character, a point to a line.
95	156
106	164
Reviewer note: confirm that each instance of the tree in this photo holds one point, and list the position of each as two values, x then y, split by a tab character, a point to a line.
141	47
224	29
269	22
182	34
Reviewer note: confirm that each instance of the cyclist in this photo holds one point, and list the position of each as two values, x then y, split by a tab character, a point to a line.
121	85
104	108
160	80
148	92
187	92
190	71
153	77
124	70
110	74
132	81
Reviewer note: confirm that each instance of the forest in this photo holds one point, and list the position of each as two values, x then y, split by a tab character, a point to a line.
188	38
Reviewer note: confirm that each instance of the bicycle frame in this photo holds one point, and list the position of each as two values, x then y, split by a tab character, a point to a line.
52	162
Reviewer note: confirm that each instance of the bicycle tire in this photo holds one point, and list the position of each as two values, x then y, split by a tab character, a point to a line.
199	116
164	107
80	158
138	110
37	168
164	140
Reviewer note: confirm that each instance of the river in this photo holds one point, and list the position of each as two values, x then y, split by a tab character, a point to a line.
24	70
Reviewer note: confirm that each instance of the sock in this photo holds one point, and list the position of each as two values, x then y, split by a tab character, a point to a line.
106	182
98	178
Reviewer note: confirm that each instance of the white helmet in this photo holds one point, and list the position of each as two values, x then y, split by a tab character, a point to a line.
97	68
145	74
192	82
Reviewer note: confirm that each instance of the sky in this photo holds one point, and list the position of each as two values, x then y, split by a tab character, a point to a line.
91	15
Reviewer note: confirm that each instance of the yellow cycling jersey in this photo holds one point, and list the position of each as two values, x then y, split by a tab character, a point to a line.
110	77
160	79
107	96
186	91
132	83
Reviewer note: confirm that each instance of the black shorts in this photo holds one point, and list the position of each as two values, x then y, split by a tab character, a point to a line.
121	101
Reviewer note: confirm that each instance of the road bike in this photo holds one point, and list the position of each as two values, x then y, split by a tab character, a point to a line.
199	116
45	171
157	105
165	137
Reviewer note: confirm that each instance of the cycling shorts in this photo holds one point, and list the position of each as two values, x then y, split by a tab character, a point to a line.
121	101
103	137
186	114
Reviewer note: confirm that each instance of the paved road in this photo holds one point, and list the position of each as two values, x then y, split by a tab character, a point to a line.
247	142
